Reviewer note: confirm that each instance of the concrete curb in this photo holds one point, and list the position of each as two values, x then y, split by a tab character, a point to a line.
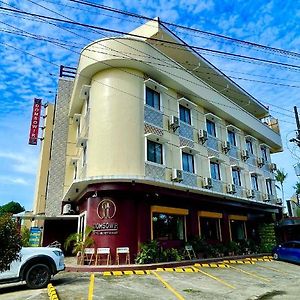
154	266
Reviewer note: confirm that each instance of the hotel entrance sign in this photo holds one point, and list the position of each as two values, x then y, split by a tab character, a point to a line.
106	210
35	121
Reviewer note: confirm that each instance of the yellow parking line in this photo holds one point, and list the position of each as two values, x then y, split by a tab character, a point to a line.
272	269
169	287
251	274
91	287
214	277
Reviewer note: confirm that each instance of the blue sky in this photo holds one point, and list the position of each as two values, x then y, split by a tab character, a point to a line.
24	76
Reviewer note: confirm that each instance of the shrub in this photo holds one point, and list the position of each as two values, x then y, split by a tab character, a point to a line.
233	247
25	235
171	255
150	253
10	241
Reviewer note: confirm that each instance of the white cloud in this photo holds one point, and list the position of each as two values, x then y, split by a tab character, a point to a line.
21	163
13	181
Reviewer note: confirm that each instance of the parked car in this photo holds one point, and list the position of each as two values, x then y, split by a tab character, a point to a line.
35	265
289	251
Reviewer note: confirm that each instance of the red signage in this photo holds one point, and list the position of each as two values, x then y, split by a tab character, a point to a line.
35	121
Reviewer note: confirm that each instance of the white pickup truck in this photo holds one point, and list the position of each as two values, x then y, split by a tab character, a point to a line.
35	265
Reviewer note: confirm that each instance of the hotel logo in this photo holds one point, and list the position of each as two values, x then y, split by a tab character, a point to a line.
106	209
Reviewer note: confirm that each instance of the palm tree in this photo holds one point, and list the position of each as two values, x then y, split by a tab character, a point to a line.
280	177
80	241
297	188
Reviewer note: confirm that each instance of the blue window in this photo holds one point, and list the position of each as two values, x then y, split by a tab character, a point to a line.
231	138
236	177
152	98
184	114
211	128
254	182
188	162
215	170
264	153
154	152
269	186
249	146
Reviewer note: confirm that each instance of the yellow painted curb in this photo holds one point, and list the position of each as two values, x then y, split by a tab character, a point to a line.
52	292
128	273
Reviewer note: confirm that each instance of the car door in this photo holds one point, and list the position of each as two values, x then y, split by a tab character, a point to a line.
295	252
286	251
13	270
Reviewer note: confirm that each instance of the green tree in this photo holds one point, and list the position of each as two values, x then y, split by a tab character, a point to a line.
280	177
11	208
297	190
80	241
10	241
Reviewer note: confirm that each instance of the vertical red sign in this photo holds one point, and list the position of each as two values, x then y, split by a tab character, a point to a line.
35	121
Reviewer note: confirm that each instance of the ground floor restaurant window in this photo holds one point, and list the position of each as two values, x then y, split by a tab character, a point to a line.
209	225
168	227
168	223
210	228
238	228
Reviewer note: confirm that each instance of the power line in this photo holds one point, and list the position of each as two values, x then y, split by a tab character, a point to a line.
140	21
293	66
239	41
64	29
135	49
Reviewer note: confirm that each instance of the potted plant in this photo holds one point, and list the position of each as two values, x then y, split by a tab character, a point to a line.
80	241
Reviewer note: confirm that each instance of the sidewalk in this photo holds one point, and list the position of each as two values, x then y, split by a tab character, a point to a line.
71	265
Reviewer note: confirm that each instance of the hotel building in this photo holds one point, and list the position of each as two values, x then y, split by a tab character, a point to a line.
151	141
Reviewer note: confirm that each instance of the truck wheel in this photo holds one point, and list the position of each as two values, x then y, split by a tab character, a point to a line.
38	276
275	256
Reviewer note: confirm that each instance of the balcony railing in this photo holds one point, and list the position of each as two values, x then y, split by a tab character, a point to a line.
186	131
153	116
212	142
239	191
189	178
155	171
233	152
217	186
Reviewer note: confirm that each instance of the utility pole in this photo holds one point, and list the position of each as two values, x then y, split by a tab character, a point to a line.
296	140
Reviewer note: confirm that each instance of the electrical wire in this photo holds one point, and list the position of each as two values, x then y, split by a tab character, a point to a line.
195	48
31	1
123	12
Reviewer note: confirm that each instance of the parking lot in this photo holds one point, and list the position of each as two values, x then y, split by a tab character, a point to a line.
245	279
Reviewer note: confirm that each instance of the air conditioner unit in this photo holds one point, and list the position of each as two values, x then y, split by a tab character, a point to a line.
176	175
245	154
231	188
273	167
84	92
174	123
250	193
225	146
260	161
202	136
207	182
67	209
